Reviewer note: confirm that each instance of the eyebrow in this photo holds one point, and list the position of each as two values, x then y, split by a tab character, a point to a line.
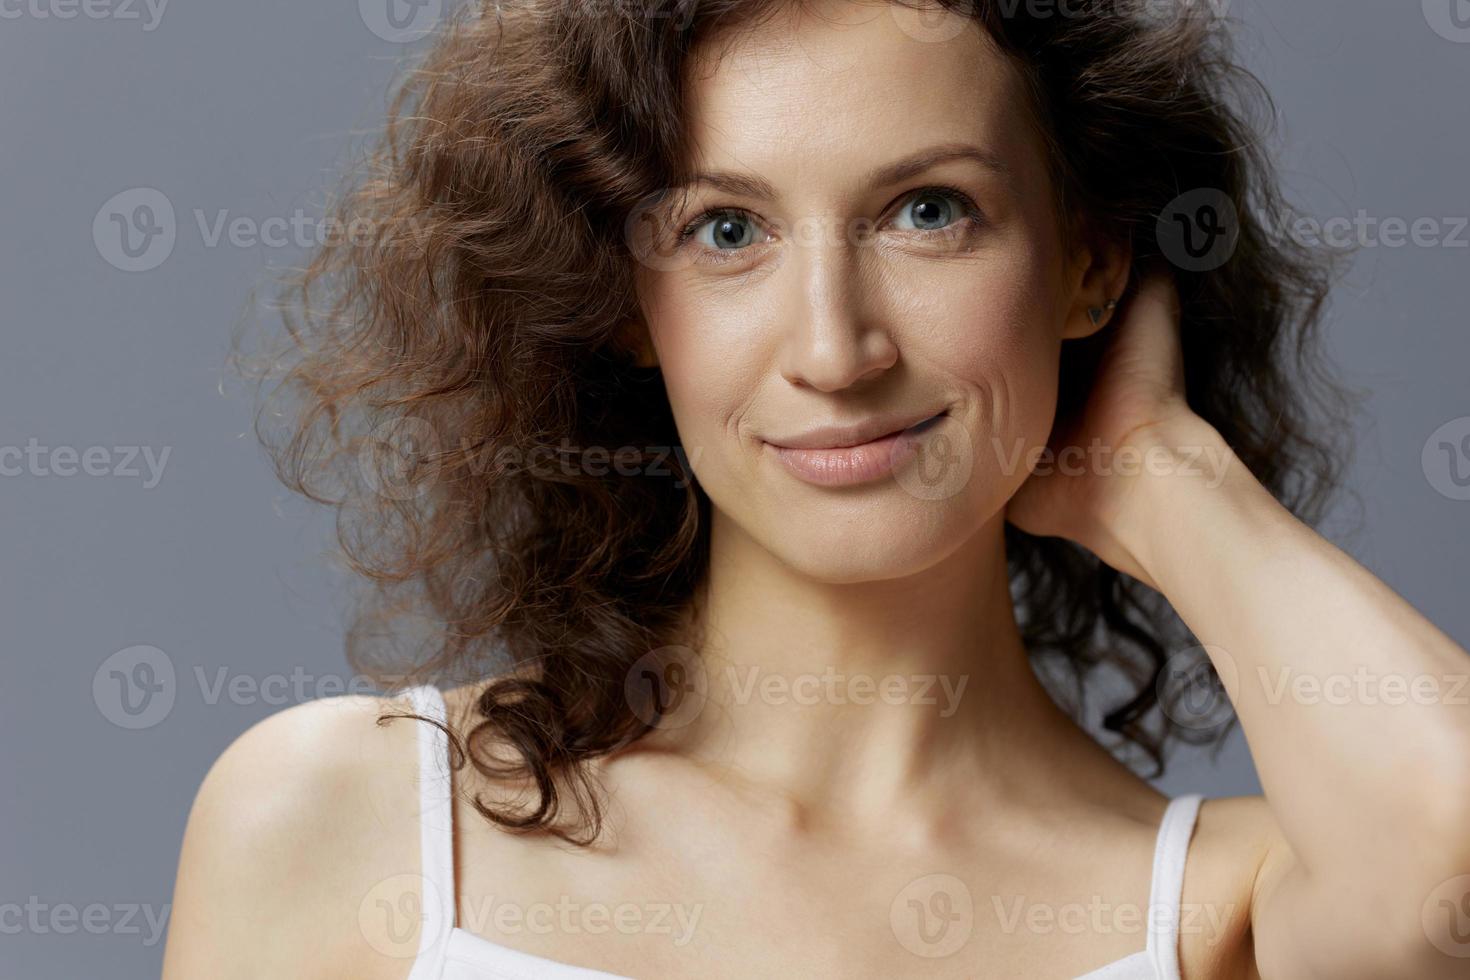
890	173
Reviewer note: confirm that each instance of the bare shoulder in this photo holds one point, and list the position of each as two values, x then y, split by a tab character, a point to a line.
1236	843
295	828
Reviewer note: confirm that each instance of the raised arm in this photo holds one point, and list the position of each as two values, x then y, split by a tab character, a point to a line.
1355	707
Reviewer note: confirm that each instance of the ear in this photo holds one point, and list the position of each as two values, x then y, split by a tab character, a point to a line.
632	336
1100	275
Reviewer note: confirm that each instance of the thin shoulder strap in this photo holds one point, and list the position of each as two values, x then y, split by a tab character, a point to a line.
436	833
1167	889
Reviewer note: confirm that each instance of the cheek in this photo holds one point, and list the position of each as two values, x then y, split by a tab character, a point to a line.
709	365
991	329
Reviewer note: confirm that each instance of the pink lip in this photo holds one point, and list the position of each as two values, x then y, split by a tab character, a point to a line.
848	455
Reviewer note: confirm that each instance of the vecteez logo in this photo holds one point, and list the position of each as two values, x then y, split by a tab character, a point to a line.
135	688
1199	229
148	12
1450	19
400	21
1446	459
933	916
135	231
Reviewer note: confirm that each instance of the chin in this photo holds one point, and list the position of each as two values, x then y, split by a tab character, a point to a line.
843	543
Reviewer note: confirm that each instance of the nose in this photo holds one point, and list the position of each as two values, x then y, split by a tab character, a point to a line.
831	342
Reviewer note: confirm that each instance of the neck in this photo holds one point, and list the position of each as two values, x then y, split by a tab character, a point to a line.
849	697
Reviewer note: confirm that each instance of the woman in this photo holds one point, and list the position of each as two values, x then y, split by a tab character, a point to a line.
762	401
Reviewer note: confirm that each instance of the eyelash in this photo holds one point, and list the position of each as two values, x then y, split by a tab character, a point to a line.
971	212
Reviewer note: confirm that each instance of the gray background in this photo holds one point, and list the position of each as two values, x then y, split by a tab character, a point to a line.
251	108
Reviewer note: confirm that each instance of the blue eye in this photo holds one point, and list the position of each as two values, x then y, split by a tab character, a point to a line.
930	211
730	230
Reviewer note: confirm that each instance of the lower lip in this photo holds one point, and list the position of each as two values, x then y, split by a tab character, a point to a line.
852	465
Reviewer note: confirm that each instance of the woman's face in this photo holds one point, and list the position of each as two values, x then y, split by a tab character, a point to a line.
885	250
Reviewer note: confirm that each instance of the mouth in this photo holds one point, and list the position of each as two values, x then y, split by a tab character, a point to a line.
853	454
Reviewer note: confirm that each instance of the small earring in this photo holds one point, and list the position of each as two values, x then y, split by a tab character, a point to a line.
1098	312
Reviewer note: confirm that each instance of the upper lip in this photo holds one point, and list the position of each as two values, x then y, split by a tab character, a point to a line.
844	436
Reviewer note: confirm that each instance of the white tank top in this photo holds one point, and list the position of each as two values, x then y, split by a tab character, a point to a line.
447	952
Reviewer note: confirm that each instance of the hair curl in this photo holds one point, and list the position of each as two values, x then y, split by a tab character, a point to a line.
468	321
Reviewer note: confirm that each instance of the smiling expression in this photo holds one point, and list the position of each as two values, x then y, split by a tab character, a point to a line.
861	317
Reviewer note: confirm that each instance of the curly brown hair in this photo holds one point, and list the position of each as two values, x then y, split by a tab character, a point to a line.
470	320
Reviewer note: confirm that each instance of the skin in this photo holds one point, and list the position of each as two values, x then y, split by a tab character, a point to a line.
793	828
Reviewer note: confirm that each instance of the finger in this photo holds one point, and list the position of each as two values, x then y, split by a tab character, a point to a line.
1149	330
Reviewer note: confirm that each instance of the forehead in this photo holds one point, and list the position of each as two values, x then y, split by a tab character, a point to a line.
831	88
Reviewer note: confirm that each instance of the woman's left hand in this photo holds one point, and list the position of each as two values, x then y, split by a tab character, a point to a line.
1135	413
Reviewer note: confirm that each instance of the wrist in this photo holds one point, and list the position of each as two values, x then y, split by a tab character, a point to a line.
1187	469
